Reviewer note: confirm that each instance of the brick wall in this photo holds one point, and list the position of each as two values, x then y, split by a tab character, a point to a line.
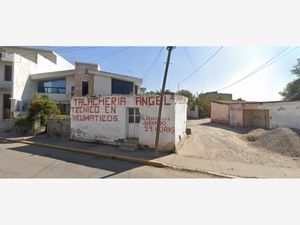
82	75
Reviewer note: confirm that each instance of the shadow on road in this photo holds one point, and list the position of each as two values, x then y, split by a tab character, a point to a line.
240	130
113	165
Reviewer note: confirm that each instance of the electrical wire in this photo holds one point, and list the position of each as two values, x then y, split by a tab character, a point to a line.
263	66
202	65
152	64
109	55
192	63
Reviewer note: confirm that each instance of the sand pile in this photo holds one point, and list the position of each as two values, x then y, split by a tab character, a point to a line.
281	140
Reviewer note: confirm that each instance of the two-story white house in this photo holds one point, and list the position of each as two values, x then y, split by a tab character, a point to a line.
25	71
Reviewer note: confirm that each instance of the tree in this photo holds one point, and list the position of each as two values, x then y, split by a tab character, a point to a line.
292	89
190	96
152	93
204	101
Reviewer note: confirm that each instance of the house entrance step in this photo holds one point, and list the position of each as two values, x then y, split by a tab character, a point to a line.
129	145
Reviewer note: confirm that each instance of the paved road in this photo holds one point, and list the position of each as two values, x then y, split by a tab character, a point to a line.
25	161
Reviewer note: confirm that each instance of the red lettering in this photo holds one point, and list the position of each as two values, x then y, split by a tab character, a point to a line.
157	100
123	100
151	100
138	100
113	100
90	101
165	101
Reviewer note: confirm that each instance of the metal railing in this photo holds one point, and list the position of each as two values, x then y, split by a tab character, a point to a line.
53	90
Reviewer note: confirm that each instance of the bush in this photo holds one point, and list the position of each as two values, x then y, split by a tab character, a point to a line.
21	120
60	116
42	109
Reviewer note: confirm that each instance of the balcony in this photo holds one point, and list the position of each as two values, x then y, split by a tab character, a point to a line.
5	86
8	57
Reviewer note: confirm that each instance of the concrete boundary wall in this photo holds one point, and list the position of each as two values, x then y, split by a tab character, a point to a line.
106	119
261	114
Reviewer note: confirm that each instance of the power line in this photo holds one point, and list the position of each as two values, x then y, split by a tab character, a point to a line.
109	55
154	61
203	64
278	58
192	63
73	49
263	66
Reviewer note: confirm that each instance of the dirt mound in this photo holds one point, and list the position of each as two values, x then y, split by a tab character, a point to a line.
254	134
281	140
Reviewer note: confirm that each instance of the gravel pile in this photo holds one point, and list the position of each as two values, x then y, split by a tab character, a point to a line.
281	140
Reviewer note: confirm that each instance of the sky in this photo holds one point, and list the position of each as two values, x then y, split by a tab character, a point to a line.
226	67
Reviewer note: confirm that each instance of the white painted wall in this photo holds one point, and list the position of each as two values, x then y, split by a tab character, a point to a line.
180	118
193	114
283	114
94	130
26	63
102	85
147	126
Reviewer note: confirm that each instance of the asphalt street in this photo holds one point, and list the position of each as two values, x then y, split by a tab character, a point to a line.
19	160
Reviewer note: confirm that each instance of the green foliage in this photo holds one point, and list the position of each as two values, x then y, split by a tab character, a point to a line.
292	89
296	69
38	96
60	116
190	96
42	109
21	120
204	105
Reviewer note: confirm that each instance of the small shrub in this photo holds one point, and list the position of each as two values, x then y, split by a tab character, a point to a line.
21	120
42	109
60	116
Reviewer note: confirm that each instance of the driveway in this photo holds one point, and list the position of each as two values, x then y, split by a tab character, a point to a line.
224	143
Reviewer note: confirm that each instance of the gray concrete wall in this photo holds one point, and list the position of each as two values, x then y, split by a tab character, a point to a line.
58	127
193	114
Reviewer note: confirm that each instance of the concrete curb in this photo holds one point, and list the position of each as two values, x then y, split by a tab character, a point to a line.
154	163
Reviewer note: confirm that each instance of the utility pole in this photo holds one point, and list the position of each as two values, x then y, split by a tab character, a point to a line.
169	48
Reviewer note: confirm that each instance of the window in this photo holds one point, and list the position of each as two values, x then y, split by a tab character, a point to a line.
121	87
72	90
85	88
136	89
134	115
52	86
6	106
8	73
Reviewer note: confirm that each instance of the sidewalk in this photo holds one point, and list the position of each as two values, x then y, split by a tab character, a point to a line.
174	161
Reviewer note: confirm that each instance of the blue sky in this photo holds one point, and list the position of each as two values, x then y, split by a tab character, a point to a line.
229	65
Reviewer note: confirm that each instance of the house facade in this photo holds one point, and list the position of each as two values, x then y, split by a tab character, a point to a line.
26	71
16	66
84	80
268	115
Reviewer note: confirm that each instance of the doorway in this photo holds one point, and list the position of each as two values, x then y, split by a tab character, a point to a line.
133	119
6	106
